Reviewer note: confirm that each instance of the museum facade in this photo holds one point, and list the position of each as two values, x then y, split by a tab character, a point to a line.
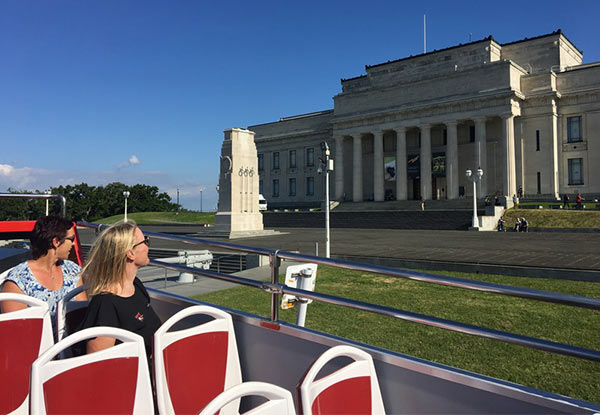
527	113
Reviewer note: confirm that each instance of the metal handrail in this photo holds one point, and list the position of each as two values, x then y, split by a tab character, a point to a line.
61	198
276	289
530	293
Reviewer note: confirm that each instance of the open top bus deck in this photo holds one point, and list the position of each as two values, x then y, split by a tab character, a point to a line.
277	352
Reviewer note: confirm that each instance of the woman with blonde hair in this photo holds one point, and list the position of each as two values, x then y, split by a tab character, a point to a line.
118	297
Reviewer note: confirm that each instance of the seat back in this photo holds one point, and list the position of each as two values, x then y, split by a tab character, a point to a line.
24	335
194	365
112	381
4	274
352	389
280	401
69	312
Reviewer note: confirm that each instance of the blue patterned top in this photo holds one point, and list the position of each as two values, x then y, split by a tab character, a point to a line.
25	280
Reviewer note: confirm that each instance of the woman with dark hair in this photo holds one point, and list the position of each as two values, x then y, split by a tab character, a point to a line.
48	275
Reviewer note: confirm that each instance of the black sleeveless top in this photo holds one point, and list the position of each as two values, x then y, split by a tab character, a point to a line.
130	313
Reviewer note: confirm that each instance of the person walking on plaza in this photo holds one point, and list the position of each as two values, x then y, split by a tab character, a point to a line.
578	200
515	201
423	204
566	204
501	223
517	225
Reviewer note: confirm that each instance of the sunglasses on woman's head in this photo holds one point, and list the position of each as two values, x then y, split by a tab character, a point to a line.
145	241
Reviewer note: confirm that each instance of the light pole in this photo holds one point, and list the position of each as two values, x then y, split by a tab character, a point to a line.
328	165
126	194
47	210
474	178
201	190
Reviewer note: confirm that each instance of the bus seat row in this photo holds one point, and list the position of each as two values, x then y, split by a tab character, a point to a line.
117	380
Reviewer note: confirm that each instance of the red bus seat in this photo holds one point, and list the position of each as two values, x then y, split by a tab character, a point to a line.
194	365
353	389
24	335
112	381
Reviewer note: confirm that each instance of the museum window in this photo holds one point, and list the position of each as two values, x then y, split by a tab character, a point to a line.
261	162
275	187
310	157
539	183
574	129
261	187
310	186
275	160
575	171
292	159
537	140
445	136
471	134
292	187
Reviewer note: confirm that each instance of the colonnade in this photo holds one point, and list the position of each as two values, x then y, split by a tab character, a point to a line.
507	146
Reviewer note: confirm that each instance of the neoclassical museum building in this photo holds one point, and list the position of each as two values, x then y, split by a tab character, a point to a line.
527	113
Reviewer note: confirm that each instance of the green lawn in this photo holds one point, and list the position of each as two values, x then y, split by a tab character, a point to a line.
564	375
156	218
551	218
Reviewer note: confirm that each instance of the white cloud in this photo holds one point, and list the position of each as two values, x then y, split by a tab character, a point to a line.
133	161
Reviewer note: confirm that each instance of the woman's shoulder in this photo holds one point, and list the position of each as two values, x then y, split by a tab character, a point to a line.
20	272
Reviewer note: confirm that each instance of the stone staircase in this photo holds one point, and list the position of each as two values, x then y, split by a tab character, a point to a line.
374	219
456	204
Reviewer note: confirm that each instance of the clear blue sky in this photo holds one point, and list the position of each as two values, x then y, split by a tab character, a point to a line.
141	91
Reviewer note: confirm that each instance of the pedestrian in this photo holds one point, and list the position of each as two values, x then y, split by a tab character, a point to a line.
517	225
423	204
520	192
515	201
487	200
578	200
524	225
501	223
566	204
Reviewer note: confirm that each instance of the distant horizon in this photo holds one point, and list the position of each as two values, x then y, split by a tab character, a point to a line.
99	92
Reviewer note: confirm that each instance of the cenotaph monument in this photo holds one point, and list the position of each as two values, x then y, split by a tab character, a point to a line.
238	213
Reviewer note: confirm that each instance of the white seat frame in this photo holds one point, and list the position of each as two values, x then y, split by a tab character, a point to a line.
163	338
280	401
36	309
44	368
362	366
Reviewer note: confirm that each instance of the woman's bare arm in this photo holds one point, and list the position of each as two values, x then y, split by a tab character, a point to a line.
9	306
99	343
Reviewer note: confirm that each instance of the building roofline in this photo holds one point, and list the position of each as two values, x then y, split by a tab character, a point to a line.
432	52
557	32
294	117
353	78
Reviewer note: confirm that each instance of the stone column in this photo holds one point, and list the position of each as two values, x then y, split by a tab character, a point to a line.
509	177
481	155
426	162
378	192
401	179
452	160
339	168
357	186
555	150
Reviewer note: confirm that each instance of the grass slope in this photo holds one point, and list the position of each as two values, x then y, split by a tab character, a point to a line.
564	375
546	218
157	218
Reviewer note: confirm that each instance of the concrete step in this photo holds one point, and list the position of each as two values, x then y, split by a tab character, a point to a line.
381	219
456	204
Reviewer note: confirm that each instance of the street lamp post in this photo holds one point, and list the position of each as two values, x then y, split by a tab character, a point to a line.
474	178
327	164
201	190
126	194
47	207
